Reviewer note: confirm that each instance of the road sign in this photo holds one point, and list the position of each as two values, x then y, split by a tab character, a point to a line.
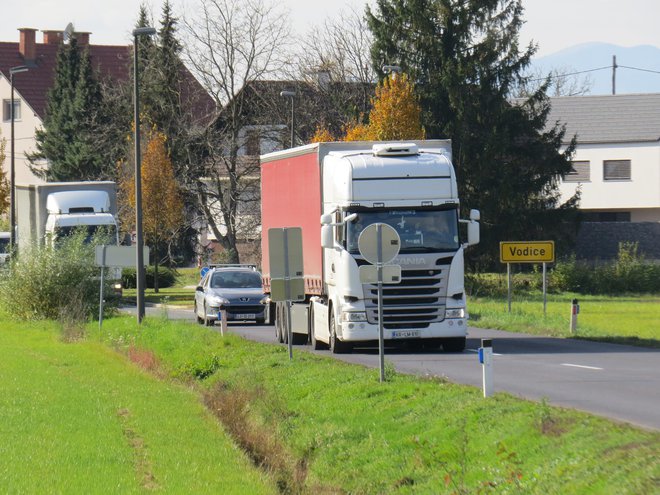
292	259
527	252
368	243
123	256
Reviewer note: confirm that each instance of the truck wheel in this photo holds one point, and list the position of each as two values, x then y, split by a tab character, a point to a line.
336	345
455	344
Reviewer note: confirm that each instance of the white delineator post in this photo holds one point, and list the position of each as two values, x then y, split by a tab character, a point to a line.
575	310
486	360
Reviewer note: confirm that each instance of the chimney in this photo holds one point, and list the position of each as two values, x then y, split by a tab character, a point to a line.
83	39
27	46
52	37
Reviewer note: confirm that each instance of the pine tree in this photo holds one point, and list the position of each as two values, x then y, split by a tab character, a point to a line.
67	140
465	59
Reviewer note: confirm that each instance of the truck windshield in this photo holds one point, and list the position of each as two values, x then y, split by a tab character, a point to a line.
100	234
423	230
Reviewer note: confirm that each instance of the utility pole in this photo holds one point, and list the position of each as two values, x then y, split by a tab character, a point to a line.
614	67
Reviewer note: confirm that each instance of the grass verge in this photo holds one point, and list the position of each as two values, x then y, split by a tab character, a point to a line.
322	426
625	320
79	418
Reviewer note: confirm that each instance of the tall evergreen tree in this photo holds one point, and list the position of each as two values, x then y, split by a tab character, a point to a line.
465	59
67	140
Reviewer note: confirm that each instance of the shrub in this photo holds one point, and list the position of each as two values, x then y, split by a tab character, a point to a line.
166	277
53	282
630	272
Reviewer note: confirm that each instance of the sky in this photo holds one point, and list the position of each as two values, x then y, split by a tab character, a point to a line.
553	24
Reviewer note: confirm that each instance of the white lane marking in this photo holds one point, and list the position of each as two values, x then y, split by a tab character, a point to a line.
477	351
582	366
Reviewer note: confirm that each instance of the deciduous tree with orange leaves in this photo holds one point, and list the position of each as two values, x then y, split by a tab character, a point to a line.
395	115
162	204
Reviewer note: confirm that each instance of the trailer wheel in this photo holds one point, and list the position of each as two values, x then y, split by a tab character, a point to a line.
336	345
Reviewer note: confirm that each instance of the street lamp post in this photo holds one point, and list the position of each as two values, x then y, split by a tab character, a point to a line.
291	94
139	239
12	169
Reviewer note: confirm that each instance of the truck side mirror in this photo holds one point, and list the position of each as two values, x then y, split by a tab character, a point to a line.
473	231
475	215
327	240
326	219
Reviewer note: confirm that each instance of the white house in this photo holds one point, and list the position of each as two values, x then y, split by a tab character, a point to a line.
616	165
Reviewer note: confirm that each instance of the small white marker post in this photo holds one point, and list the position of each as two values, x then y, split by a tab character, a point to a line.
223	321
575	310
486	360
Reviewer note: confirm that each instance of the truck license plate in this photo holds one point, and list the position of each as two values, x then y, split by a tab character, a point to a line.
405	334
245	317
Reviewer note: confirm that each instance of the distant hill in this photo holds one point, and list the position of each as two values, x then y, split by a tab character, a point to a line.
589	56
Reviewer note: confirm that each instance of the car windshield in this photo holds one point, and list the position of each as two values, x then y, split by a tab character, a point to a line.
423	230
236	280
101	234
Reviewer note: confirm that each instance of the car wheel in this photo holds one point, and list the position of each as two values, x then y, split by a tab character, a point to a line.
199	319
336	345
207	321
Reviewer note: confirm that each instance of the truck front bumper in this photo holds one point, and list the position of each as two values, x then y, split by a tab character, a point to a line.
363	331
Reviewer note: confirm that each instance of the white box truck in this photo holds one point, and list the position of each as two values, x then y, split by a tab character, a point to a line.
333	191
50	210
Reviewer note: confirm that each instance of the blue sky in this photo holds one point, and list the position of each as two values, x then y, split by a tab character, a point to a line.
554	24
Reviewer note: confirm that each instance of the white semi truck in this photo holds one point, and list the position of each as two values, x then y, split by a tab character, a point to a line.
333	191
48	211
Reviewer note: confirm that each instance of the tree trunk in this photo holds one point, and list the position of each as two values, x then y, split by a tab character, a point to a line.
156	261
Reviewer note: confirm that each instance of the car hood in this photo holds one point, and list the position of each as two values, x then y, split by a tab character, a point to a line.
242	296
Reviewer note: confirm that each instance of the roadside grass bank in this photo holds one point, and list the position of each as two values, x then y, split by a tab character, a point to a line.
322	426
80	418
624	320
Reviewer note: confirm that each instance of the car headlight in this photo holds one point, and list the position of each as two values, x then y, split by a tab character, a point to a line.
455	313
354	316
217	300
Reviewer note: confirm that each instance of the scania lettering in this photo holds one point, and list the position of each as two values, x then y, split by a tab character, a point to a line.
333	191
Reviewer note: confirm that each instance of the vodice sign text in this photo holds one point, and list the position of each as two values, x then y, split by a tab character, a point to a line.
527	252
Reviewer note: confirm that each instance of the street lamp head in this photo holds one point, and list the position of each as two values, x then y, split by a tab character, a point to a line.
16	70
149	31
288	94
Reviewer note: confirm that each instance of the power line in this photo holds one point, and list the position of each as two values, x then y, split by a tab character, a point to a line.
639	69
607	67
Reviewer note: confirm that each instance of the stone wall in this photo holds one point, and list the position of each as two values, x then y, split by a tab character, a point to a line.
600	240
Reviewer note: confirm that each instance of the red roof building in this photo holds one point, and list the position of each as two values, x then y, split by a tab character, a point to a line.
31	88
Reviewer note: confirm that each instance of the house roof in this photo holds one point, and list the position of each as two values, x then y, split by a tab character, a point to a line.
631	118
113	62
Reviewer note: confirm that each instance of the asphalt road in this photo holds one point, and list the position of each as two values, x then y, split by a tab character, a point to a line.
616	381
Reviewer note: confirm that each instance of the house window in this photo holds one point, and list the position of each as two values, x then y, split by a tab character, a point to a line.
580	172
616	170
6	110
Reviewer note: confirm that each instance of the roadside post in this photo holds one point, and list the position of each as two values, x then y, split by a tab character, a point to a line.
222	314
486	360
115	257
575	311
527	252
379	243
287	284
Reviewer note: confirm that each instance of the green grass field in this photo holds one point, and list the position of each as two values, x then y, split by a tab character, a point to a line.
80	418
626	319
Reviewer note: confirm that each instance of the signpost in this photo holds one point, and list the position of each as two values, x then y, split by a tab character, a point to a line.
285	256
115	256
527	252
379	243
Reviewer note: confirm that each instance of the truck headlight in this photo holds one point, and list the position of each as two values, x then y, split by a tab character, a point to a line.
354	316
455	313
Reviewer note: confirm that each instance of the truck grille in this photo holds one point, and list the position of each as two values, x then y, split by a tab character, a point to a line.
420	298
